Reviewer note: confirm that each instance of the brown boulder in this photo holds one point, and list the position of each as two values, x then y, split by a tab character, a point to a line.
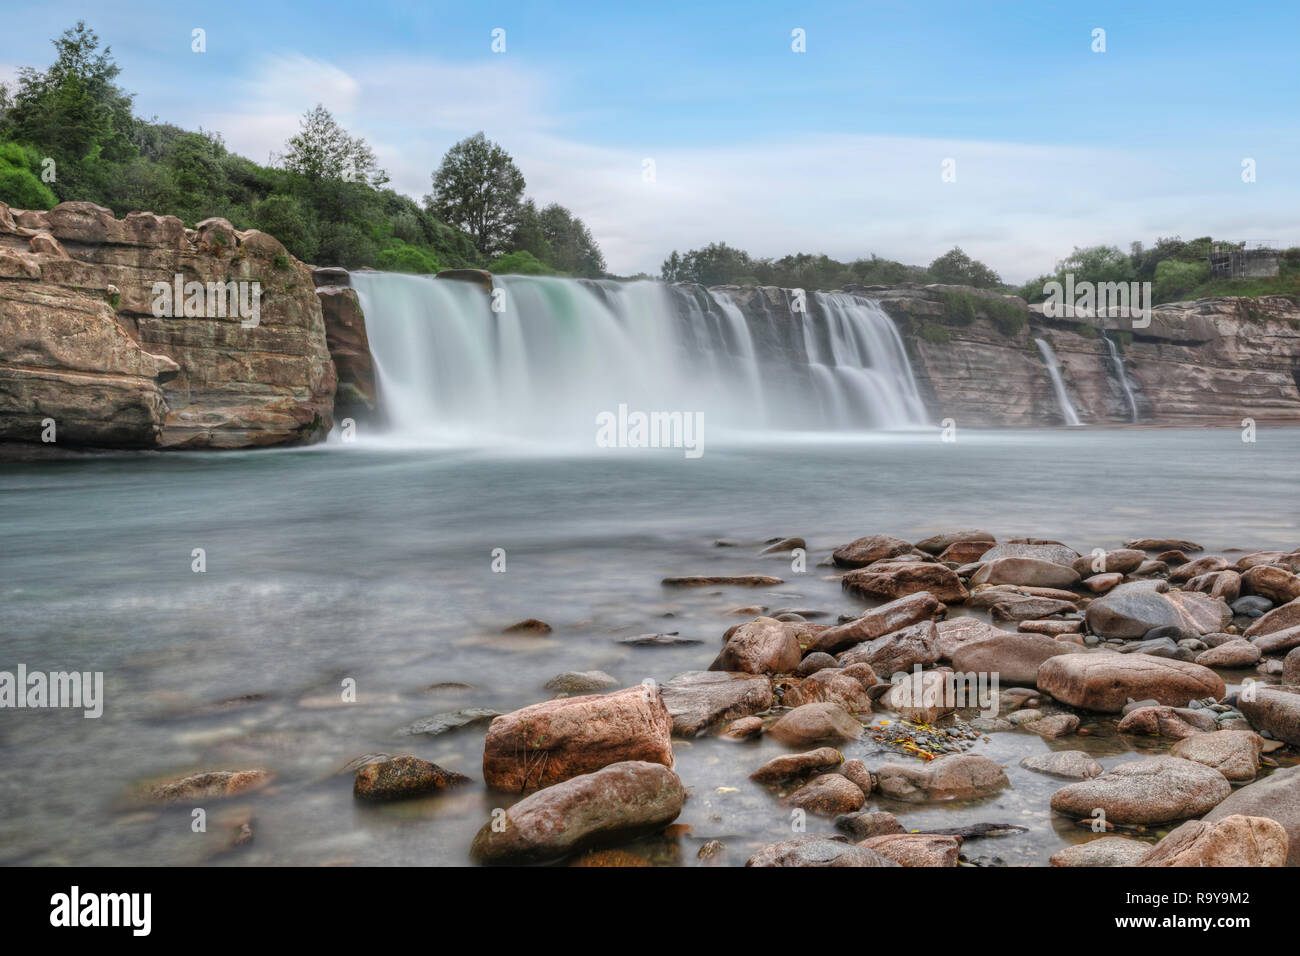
1232	841
904	612
763	646
402	777
916	849
896	652
1150	791
875	547
889	580
951	777
828	795
701	701
1015	658
1106	681
815	722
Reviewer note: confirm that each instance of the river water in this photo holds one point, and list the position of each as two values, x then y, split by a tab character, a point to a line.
374	562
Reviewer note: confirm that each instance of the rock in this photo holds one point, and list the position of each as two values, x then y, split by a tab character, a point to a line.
671	639
1206	565
211	785
1235	653
1277	584
856	771
864	551
864	824
619	801
890	580
552	741
1032	572
831	686
814	662
79	341
828	795
1021	607
1174	723
763	646
709	581
896	652
444	723
1121	561
957	632
1232	841
916	849
581	682
746	728
1234	753
1251	606
711	853
1104	851
1053	551
1165	647
785	545
790	766
1275	711
402	777
1015	658
1291	667
1073	764
817	851
1050	628
700	701
942	542
1220	584
1054	725
1105	681
1277	642
1162	544
349	346
1149	791
965	552
1131	610
922	697
1276	797
530	626
894	616
1281	618
814	722
1101	583
951	777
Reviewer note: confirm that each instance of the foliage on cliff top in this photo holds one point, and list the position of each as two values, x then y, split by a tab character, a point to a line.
325	198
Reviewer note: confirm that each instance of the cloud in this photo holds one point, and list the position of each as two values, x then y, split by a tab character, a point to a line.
1017	206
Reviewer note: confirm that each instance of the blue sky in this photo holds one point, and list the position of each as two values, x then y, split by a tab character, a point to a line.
837	150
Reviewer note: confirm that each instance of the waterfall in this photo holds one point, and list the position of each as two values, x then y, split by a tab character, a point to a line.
1058	384
1118	362
558	352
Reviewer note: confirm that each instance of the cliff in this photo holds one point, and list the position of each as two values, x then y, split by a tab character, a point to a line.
81	343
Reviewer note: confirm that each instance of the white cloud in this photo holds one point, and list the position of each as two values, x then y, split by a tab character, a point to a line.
1018	207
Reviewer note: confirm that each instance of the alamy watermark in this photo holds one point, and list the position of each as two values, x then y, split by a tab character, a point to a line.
1126	300
208	300
624	429
946	689
37	690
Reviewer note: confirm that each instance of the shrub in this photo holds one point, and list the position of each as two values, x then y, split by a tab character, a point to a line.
401	257
522	263
20	186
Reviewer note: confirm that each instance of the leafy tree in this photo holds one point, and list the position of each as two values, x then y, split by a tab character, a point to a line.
522	263
955	267
1097	264
478	188
404	258
1174	279
572	248
322	149
715	264
285	218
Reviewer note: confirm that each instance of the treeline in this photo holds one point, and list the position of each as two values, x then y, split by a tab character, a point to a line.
70	133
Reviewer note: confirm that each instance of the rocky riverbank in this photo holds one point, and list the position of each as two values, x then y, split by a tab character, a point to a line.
882	713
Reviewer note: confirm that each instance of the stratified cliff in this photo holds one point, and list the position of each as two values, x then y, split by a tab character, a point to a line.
80	343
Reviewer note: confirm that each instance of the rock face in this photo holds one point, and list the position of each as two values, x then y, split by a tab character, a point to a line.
349	345
701	701
617	802
1106	681
80	342
552	741
1149	791
1232	841
1277	797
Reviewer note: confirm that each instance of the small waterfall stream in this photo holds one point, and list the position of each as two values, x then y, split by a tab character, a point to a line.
1118	361
1058	384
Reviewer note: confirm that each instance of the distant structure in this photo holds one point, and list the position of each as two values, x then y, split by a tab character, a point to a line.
1244	259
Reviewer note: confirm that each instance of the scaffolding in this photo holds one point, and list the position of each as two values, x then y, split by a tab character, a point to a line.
1244	259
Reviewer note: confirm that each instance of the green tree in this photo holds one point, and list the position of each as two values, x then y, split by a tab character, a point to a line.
573	250
322	149
478	188
955	267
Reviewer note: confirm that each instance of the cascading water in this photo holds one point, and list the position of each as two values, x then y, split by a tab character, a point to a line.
1058	384
561	351
1118	362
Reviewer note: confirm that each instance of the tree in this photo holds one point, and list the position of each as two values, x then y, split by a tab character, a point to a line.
573	250
322	149
955	267
478	188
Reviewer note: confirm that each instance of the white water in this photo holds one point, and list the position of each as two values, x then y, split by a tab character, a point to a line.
1058	384
1123	377
562	351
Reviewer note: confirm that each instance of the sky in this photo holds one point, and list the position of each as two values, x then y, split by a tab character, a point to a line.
671	125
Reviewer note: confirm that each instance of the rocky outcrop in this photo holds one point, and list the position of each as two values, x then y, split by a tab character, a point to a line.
349	345
94	339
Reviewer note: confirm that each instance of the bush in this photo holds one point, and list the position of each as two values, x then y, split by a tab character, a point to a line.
1174	279
960	306
522	263
401	257
285	218
1007	315
20	184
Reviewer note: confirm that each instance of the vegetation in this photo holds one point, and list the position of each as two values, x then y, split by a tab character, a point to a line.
69	133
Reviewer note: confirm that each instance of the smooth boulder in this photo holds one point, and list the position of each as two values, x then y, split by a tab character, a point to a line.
1148	791
1106	681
